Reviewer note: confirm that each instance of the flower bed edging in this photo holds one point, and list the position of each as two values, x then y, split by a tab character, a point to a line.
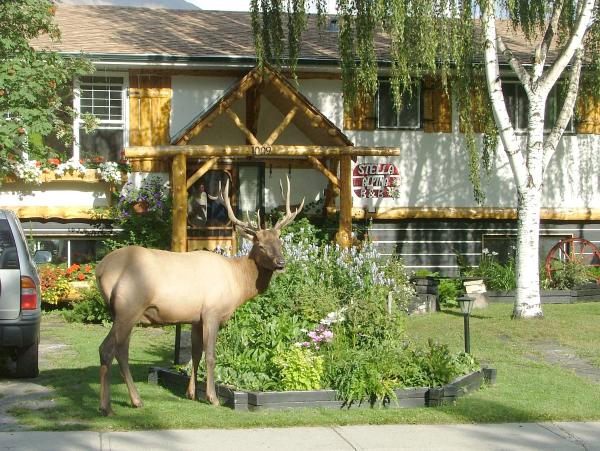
242	400
587	293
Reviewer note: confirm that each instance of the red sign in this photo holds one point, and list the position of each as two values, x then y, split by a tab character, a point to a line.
375	179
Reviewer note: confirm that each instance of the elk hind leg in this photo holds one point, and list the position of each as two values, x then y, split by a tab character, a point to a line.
210	330
123	336
107	354
197	347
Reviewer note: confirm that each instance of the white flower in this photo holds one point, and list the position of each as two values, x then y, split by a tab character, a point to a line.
70	166
485	251
109	172
27	170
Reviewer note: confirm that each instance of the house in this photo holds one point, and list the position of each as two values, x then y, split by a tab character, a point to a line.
170	78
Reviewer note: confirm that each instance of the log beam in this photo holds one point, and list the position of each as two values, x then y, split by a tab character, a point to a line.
279	130
207	166
179	187
205	151
238	122
335	183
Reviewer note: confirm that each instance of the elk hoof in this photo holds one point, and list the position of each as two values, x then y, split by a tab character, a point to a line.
191	395
137	403
107	412
214	400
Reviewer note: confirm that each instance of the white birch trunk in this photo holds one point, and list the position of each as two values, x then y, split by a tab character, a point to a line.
529	201
527	303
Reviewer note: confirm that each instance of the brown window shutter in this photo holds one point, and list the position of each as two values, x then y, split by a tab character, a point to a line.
437	107
362	117
149	109
477	102
588	116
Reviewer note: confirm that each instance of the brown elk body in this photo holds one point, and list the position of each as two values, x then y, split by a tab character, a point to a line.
199	288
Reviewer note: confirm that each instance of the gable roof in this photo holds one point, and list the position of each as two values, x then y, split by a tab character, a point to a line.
188	35
283	96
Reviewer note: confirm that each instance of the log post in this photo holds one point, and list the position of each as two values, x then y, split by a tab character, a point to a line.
179	238
344	235
179	181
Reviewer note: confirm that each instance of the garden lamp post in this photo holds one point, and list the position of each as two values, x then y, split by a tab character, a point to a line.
466	305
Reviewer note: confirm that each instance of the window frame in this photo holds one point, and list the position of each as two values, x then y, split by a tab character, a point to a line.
522	101
122	124
419	126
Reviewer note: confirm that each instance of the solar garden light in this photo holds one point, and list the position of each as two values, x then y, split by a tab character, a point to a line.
466	305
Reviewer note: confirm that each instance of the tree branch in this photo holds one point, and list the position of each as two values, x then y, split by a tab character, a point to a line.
547	80
541	51
515	64
494	85
566	112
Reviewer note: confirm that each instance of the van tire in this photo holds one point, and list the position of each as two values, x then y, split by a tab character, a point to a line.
27	362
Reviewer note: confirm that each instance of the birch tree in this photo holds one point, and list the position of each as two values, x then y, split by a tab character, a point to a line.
446	37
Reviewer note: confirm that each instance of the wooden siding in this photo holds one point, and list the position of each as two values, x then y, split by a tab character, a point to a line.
430	244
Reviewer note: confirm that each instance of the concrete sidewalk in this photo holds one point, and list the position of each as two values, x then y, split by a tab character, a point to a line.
509	436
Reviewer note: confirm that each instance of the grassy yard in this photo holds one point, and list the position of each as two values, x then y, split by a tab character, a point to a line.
527	389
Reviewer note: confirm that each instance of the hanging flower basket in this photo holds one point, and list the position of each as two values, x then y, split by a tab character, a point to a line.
140	207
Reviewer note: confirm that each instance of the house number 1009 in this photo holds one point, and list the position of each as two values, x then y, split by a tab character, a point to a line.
261	150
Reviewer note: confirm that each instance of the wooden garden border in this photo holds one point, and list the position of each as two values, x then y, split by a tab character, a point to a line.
242	400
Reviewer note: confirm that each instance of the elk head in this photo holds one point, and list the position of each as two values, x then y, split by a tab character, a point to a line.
267	249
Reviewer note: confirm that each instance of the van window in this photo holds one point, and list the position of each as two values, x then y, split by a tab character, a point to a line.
9	258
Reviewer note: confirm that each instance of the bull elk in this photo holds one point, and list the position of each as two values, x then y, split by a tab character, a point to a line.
203	288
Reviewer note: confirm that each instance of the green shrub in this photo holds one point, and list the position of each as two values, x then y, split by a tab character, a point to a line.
89	309
449	290
300	369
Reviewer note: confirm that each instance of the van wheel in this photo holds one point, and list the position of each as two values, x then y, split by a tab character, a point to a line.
27	361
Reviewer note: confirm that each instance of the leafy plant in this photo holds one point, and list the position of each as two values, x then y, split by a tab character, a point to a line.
570	274
299	368
90	309
449	290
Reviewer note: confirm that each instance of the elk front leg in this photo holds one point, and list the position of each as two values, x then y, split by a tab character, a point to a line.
210	330
197	347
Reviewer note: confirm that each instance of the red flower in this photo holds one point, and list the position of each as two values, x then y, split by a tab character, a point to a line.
55	161
88	268
80	276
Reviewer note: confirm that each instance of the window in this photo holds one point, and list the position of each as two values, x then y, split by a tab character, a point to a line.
69	251
517	105
387	115
105	98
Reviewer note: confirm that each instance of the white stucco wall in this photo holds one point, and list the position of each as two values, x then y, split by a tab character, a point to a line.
434	168
57	194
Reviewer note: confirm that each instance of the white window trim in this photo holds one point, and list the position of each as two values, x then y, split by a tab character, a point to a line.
77	107
401	127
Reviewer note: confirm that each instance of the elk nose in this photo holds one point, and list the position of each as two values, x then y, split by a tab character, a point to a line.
280	262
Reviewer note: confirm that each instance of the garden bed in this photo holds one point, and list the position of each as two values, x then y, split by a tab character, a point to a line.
242	400
587	293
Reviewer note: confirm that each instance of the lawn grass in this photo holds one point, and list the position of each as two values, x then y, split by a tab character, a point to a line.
527	388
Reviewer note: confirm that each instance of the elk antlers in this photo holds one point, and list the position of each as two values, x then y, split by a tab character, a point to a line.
289	216
247	227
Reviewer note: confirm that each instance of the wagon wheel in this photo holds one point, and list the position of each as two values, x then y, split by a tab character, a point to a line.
573	250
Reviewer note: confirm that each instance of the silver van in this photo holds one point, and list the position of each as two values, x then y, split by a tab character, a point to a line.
20	297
